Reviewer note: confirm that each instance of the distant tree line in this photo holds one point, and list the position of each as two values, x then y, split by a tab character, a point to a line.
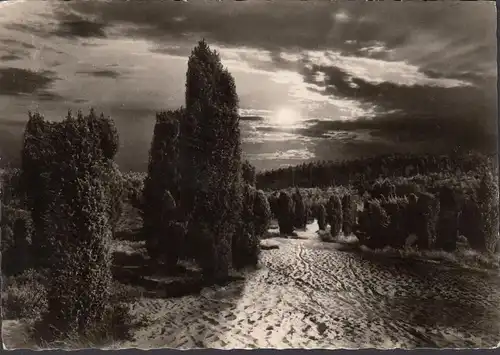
328	173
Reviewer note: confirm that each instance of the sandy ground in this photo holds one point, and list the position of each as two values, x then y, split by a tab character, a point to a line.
307	294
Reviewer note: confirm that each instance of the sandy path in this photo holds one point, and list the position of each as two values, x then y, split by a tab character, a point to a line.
309	295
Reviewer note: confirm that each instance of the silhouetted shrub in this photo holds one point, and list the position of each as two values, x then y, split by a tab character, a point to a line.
426	220
300	213
334	215
349	214
274	204
165	241
262	214
397	229
321	216
372	225
246	246
285	213
161	186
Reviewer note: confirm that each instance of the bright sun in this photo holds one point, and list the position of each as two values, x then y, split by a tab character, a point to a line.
286	116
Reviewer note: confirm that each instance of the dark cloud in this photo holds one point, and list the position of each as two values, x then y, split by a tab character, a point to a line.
462	116
16	43
16	81
106	73
443	36
72	26
10	57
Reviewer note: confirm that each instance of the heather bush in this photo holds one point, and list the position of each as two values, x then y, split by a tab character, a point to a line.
334	215
372	225
261	213
426	220
285	213
300	212
349	214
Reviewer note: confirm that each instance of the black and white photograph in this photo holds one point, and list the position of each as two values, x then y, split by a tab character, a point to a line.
259	174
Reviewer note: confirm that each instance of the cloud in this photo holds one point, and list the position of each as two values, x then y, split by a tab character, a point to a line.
461	115
105	73
16	81
10	57
72	25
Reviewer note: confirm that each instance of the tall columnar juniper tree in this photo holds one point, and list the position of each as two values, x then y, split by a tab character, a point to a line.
349	211
162	187
76	206
37	153
300	212
426	220
321	216
211	160
448	221
261	213
372	225
285	213
246	245
334	215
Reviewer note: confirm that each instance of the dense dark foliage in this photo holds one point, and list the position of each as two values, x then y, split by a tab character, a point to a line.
261	213
372	225
249	175
285	213
211	160
321	216
77	204
300	210
334	215
489	209
161	189
426	219
349	213
328	173
246	245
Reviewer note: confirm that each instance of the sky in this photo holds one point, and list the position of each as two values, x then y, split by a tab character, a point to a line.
316	80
